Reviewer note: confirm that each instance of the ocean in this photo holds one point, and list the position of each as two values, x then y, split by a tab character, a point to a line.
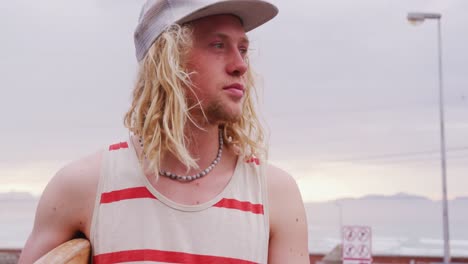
16	221
399	226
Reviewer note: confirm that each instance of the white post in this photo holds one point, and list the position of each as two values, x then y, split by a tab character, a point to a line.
442	153
418	17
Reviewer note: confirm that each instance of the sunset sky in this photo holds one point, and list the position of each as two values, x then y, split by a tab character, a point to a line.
349	91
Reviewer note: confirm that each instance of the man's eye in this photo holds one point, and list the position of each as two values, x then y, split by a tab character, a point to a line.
218	45
243	50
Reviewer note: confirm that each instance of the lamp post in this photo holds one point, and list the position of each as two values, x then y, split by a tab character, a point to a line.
418	18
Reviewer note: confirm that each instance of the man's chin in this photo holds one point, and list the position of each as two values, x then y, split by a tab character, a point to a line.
225	115
229	117
233	119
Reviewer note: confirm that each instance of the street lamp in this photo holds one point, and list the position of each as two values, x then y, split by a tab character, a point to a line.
418	18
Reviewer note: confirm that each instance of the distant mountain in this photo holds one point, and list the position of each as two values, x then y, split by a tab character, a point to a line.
398	196
461	198
17	196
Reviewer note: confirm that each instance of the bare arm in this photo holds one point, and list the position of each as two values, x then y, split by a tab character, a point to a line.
65	208
288	223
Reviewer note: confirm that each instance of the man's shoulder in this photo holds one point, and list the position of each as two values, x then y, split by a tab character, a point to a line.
82	170
283	195
77	180
277	178
65	207
288	223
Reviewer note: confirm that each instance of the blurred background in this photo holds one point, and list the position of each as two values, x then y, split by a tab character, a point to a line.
349	93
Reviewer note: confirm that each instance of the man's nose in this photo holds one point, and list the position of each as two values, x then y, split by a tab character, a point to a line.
237	65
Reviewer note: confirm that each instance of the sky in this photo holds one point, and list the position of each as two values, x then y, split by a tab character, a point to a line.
349	91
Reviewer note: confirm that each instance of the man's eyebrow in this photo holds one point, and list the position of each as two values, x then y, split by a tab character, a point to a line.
244	39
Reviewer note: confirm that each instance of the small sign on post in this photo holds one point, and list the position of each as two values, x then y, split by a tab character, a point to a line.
357	244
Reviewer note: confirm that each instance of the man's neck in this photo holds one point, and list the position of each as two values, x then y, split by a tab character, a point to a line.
202	144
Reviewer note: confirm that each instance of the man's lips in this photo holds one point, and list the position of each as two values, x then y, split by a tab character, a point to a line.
235	89
236	86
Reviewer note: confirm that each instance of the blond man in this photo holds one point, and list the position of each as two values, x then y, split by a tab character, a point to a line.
191	184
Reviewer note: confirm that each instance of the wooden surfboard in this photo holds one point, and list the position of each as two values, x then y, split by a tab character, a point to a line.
75	251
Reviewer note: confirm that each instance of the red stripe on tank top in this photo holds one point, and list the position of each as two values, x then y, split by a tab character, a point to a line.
143	192
240	205
163	256
125	194
118	146
254	160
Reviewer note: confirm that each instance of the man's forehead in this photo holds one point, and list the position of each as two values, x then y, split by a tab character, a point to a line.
240	38
223	26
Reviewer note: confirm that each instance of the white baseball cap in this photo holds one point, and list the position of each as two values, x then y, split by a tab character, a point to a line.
157	15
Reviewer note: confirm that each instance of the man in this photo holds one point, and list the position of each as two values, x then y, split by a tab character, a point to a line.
191	184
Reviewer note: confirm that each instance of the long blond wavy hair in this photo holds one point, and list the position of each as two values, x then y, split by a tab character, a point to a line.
159	112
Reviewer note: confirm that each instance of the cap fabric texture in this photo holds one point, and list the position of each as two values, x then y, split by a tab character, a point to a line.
158	15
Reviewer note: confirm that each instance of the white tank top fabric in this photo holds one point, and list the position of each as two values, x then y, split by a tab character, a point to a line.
134	223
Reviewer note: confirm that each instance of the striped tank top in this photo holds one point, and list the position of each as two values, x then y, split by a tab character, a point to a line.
134	223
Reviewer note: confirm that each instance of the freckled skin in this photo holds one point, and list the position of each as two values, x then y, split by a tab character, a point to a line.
288	232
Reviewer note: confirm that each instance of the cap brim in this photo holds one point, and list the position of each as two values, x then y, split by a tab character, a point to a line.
253	13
